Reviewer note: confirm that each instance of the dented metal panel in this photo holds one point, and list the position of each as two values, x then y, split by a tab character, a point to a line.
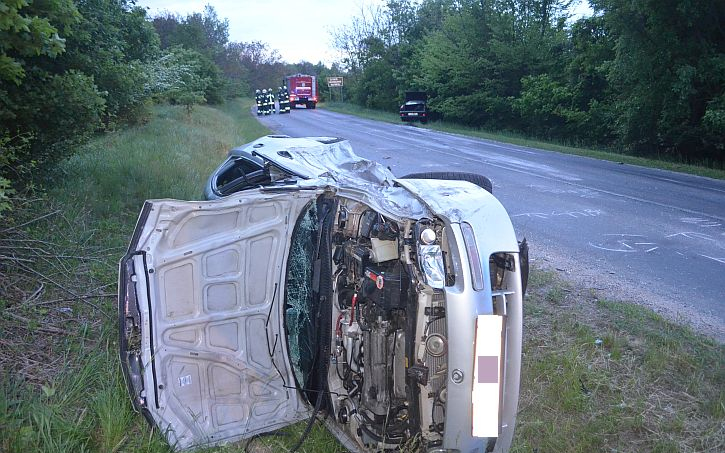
331	163
208	285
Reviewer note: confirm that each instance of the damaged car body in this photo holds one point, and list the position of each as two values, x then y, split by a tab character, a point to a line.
325	286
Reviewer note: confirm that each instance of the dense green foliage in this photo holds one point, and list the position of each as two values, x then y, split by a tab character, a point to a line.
645	77
72	68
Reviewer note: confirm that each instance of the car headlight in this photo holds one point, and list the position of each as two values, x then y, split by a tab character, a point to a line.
431	260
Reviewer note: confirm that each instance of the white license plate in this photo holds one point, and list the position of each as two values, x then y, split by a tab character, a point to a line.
487	376
412	114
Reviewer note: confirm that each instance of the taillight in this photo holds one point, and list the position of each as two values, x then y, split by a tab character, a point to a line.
314	98
473	258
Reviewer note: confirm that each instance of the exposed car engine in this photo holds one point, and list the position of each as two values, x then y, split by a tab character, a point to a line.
383	384
316	285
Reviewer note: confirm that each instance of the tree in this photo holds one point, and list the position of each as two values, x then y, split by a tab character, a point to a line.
263	66
29	29
180	76
110	43
71	68
667	75
207	35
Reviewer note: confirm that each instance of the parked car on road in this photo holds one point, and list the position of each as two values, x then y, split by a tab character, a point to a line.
317	285
415	107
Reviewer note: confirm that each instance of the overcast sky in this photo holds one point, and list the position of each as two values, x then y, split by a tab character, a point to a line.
298	29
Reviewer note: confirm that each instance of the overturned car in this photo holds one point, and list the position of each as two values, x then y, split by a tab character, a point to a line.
317	283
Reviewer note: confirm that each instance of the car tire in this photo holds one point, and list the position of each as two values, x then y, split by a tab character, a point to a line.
479	180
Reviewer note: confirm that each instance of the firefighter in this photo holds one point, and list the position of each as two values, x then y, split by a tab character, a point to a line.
265	102
283	96
270	97
280	99
258	98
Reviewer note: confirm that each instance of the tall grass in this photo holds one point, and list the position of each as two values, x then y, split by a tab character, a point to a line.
72	399
603	375
170	157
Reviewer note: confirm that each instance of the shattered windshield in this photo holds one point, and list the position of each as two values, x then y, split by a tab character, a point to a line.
299	294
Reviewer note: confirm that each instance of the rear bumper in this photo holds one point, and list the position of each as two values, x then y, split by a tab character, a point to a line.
408	117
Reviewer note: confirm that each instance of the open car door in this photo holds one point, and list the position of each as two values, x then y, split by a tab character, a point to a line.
200	303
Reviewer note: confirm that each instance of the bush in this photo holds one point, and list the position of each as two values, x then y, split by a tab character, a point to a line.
186	77
52	112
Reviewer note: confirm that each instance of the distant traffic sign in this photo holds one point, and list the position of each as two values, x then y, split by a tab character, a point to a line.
334	81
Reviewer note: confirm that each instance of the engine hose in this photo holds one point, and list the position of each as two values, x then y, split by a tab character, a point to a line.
378	438
308	428
396	428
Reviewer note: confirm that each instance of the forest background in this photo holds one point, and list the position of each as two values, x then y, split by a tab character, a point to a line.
642	77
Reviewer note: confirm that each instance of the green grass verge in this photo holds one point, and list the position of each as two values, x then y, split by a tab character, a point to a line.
648	385
61	387
601	375
518	139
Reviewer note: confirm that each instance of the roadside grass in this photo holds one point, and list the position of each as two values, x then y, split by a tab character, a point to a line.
521	140
648	385
61	386
171	156
603	375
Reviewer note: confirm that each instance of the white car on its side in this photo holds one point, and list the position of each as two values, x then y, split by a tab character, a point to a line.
317	283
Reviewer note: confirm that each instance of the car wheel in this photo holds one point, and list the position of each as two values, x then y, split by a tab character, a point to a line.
479	180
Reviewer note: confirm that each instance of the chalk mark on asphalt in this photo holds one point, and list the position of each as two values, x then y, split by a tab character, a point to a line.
620	242
702	223
719	260
572	214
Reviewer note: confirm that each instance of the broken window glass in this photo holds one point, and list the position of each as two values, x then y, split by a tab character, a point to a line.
300	302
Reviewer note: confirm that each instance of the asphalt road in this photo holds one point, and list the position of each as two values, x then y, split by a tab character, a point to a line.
651	236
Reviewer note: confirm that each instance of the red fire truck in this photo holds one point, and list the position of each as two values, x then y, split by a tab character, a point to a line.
302	90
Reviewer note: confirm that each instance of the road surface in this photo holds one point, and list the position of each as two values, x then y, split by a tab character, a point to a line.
647	235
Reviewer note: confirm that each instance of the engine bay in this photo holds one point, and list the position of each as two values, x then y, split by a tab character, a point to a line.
387	369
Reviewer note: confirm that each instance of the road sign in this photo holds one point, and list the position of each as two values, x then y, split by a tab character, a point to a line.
334	81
